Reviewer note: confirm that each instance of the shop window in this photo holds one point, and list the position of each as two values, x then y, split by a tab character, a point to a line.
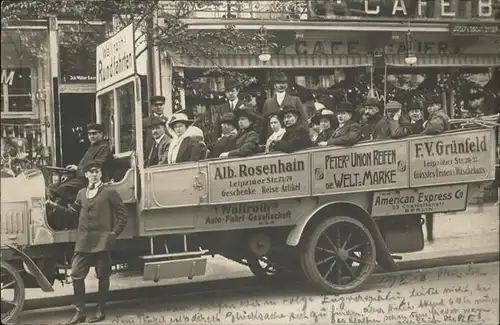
16	91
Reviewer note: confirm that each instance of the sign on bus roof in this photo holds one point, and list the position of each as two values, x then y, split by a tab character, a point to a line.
115	58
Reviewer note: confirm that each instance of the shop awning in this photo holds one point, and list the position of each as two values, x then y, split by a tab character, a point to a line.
446	60
277	61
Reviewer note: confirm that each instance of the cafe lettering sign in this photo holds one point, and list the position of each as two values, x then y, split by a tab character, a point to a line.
452	158
7	77
372	7
259	179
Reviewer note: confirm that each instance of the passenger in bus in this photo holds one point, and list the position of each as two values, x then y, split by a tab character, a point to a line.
328	123
278	102
157	105
232	88
349	132
247	140
200	148
227	141
99	151
274	121
314	130
158	153
438	122
372	116
183	147
416	116
296	136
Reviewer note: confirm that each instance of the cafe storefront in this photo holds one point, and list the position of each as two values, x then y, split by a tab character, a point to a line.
26	110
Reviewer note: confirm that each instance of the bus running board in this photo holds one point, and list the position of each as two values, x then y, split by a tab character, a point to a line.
173	256
172	269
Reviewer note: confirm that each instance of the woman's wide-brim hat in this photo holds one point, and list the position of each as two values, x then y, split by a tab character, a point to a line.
345	107
229	118
324	113
180	118
248	112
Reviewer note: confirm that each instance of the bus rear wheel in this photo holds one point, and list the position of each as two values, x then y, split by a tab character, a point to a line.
339	255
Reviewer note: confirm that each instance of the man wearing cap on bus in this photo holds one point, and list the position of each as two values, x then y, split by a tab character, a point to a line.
349	132
438	122
158	153
102	217
99	151
277	102
157	106
232	89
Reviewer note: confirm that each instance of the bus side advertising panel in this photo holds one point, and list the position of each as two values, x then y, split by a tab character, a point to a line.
420	200
259	178
452	158
361	168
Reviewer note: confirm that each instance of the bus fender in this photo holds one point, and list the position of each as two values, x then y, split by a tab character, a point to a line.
32	269
384	258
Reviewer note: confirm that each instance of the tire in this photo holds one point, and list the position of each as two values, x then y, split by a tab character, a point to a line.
10	275
355	238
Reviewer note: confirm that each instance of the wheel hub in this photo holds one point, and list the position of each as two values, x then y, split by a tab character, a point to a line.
342	254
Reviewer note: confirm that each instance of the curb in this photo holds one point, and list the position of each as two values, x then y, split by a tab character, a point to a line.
200	288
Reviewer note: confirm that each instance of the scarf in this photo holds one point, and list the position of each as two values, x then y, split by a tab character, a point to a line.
275	137
173	149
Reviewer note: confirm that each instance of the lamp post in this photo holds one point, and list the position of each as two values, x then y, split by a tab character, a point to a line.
264	55
411	58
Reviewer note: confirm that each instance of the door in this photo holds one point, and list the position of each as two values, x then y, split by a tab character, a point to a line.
77	110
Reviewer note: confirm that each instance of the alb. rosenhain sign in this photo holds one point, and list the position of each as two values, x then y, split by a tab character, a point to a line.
115	58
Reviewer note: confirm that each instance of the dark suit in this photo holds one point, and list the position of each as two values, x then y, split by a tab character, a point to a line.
295	138
271	106
190	150
247	144
162	152
346	135
223	144
223	110
148	136
99	217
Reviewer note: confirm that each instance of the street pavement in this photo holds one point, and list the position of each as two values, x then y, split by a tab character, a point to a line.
464	233
464	294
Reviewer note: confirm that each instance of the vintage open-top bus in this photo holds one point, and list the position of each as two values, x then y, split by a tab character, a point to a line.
327	214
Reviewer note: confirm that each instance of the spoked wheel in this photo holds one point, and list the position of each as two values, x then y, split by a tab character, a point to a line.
12	292
339	255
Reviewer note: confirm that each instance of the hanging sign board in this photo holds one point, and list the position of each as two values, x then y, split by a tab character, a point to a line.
115	58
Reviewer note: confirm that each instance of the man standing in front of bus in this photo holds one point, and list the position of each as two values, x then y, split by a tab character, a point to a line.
102	218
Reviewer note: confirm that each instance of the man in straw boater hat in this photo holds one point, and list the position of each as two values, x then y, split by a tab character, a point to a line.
157	107
102	216
349	132
278	101
232	89
158	153
247	140
99	150
437	122
327	122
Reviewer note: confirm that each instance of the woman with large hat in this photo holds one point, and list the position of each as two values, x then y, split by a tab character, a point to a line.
327	122
247	141
349	132
296	136
227	141
183	147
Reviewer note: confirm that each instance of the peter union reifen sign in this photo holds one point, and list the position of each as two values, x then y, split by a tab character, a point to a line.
452	158
420	200
115	58
259	178
362	168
